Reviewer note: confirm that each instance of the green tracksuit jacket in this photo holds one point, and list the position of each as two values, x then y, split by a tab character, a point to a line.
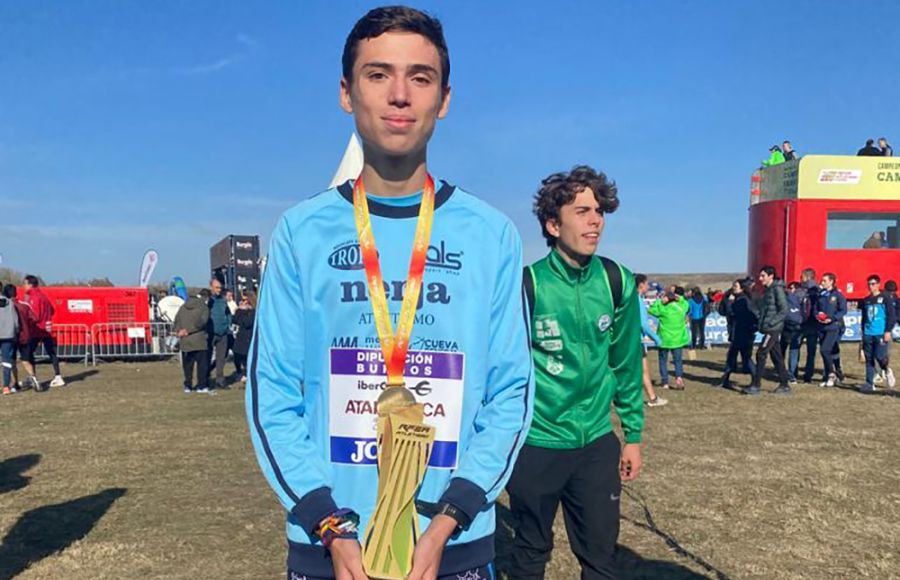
587	355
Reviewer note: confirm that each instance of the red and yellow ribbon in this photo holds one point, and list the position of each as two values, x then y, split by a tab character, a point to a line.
394	347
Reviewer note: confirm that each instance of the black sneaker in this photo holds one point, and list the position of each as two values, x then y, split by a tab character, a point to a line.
751	390
782	390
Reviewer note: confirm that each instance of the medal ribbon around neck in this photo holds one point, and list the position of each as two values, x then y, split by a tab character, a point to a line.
394	347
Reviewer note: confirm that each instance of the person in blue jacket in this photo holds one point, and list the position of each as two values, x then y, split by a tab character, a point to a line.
647	331
878	320
698	310
831	306
316	367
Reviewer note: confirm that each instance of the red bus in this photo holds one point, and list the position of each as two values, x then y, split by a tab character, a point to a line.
831	213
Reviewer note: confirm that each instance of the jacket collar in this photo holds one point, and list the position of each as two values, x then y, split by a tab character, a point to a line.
567	272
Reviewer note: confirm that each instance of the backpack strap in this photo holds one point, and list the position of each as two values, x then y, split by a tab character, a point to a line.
614	275
528	286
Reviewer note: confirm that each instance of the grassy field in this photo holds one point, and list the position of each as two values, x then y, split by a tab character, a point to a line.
120	475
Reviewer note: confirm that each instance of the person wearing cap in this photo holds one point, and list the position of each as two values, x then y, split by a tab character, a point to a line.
776	158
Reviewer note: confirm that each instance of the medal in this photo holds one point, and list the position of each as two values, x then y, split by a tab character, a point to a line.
404	441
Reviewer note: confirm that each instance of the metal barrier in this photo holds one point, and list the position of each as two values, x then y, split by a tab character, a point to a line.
132	340
73	341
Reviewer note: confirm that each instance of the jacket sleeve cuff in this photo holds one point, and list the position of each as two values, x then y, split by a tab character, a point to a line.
465	496
633	437
313	508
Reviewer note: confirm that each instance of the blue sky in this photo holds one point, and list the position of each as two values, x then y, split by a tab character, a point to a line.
128	125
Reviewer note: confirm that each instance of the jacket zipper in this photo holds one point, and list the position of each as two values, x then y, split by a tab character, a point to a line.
582	344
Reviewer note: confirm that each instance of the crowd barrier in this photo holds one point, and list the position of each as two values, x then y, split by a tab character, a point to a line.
73	342
122	340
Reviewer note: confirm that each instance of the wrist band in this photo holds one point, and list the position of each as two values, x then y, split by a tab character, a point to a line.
343	523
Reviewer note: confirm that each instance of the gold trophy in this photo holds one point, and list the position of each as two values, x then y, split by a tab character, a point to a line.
404	444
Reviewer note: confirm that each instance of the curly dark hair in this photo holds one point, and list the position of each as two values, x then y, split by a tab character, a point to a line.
561	188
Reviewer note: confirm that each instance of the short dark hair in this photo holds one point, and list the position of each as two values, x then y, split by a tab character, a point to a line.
890	286
560	189
205	293
639	279
831	276
870	141
392	18
9	291
679	290
769	270
32	280
874	277
793	285
809	273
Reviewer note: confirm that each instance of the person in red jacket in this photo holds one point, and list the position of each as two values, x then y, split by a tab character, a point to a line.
27	329
43	312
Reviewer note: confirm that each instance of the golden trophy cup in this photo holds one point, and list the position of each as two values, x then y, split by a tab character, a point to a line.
404	444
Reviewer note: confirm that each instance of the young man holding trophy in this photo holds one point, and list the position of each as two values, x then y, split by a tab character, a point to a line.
586	344
390	381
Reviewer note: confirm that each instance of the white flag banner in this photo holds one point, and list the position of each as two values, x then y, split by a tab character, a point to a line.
147	267
351	164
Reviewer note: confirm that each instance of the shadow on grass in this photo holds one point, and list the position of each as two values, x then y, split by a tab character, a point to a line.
47	530
629	564
11	471
80	376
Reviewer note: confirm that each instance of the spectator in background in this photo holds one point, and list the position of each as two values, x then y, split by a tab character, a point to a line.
771	311
886	149
243	321
887	374
671	310
640	281
741	331
43	313
219	328
809	296
869	150
776	157
27	330
831	306
793	330
229	300
878	320
9	333
875	241
191	324
788	151
698	309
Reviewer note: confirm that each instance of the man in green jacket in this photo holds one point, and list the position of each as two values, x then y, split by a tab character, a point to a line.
586	346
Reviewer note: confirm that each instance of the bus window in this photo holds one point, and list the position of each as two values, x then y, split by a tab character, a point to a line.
863	230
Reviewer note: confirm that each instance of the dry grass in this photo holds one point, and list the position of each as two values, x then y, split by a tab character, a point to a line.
120	475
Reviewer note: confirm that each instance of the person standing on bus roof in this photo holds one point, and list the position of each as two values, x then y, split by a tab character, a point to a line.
776	158
869	150
886	149
788	151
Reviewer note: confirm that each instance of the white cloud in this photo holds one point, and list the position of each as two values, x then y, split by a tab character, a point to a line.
248	45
